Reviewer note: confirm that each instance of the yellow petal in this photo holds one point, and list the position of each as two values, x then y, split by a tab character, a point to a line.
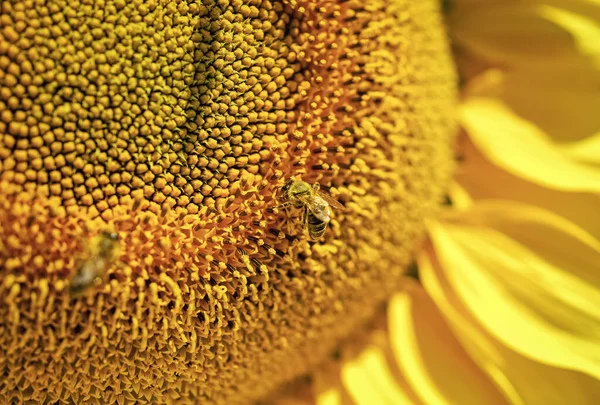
484	180
521	33
586	150
327	386
434	363
522	149
560	97
369	380
563	104
584	31
523	380
330	396
529	277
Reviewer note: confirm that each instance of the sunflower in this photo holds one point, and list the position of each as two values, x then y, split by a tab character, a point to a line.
505	309
145	147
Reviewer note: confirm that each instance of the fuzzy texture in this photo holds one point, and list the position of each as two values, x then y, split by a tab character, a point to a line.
175	124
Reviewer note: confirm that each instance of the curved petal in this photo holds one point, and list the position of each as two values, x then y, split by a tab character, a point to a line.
522	149
523	380
586	150
529	277
327	386
525	33
560	97
563	104
484	180
584	31
330	396
369	380
434	363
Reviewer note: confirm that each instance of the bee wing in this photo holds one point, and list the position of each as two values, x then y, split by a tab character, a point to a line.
330	200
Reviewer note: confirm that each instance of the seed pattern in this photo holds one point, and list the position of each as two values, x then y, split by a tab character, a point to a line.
175	124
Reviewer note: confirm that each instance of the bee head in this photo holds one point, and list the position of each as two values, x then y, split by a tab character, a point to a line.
299	187
111	235
286	187
108	241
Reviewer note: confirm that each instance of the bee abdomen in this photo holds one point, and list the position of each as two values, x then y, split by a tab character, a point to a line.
316	227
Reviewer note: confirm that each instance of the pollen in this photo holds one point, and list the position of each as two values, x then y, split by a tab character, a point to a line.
175	125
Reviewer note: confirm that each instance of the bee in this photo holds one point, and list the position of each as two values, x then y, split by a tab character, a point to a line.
100	254
316	205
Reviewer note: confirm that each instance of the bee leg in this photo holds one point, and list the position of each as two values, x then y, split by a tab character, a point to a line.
284	205
289	223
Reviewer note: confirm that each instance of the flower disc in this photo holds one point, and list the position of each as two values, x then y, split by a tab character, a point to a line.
175	124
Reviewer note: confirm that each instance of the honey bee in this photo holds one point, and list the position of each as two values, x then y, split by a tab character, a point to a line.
316	205
100	254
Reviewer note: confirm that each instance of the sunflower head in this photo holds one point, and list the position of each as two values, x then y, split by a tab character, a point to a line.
176	125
